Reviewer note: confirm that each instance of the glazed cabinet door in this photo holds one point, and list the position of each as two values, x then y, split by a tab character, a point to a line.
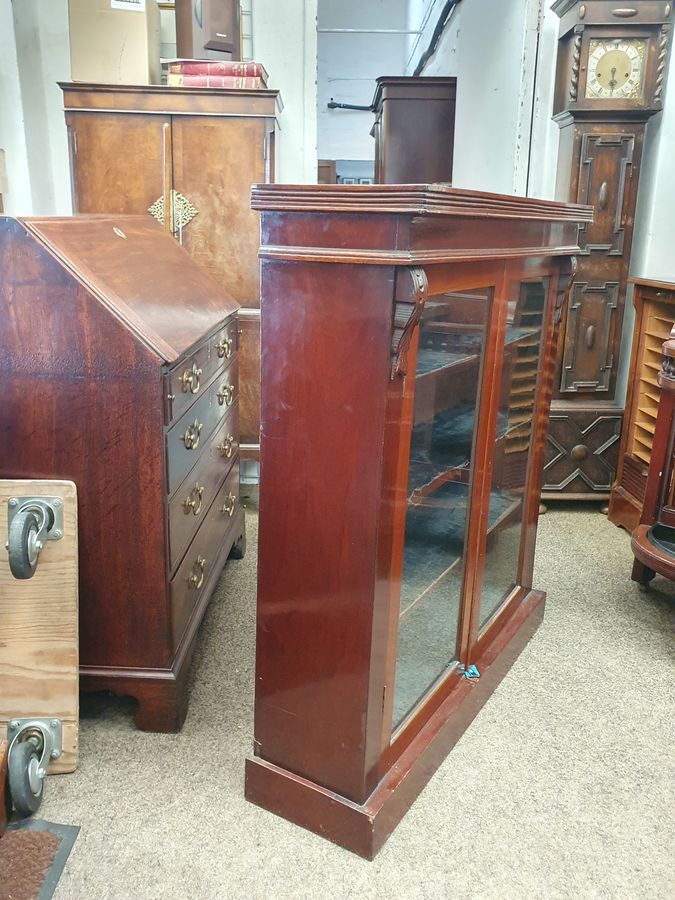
474	452
512	466
216	159
440	416
121	163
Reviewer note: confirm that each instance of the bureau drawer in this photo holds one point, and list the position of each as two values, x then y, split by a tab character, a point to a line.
186	438
189	378
188	506
189	582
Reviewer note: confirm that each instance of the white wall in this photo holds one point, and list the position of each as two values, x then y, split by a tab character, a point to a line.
284	41
35	55
16	188
348	65
490	46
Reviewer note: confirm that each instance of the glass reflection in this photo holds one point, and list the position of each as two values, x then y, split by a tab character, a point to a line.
450	349
522	345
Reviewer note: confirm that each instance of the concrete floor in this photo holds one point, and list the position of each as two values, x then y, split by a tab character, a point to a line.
563	787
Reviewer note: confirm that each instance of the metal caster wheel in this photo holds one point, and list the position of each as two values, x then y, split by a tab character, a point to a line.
31	521
23	545
26	775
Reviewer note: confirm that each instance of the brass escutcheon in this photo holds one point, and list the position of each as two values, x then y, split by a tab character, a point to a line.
191	436
229	506
224	348
227	446
225	395
193	504
196	580
190	379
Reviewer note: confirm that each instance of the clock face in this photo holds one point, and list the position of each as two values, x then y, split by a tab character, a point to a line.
615	69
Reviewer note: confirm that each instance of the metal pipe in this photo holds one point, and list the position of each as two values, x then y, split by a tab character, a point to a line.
366	31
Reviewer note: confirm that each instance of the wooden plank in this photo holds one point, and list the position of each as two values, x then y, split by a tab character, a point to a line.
38	624
4	800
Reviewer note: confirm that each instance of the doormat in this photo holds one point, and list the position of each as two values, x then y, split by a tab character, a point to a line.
32	857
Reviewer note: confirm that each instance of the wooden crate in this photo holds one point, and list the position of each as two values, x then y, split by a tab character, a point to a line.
38	625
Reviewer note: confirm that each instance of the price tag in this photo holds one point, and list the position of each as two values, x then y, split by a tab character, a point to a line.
136	5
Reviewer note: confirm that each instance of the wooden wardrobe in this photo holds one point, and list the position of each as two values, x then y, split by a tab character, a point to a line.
194	152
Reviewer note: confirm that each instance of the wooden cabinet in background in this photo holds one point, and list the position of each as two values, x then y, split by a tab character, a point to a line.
414	129
402	449
208	29
119	372
654	303
327	171
610	80
653	539
194	152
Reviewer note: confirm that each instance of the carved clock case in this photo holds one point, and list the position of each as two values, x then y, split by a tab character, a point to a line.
609	82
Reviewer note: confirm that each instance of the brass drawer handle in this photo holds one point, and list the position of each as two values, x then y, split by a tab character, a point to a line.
229	506
191	436
224	348
225	395
190	379
227	446
193	504
196	580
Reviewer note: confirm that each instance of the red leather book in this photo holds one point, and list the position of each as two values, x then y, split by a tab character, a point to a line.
217	67
219	81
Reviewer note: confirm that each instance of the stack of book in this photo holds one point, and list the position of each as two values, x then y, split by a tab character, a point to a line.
216	74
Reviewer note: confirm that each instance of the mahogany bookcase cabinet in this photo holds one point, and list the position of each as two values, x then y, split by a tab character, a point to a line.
404	416
119	372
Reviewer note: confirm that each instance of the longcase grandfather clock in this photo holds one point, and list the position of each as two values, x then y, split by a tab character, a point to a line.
610	80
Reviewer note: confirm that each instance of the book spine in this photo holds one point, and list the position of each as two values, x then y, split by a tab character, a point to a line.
217	67
220	81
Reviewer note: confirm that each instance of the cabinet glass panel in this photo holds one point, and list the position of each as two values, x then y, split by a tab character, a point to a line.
447	376
522	345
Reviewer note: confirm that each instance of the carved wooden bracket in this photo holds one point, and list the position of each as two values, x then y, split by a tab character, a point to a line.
567	272
409	299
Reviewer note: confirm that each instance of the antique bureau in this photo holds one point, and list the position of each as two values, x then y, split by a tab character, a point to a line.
119	372
403	432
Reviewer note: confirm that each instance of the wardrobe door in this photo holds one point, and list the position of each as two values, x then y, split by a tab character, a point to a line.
121	162
216	159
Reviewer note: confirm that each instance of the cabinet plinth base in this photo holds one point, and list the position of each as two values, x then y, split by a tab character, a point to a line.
624	509
581	451
364	828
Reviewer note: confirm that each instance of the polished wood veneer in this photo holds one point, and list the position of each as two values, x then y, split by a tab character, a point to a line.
119	368
385	280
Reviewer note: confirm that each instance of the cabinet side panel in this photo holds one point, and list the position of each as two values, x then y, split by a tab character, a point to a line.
326	336
81	401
